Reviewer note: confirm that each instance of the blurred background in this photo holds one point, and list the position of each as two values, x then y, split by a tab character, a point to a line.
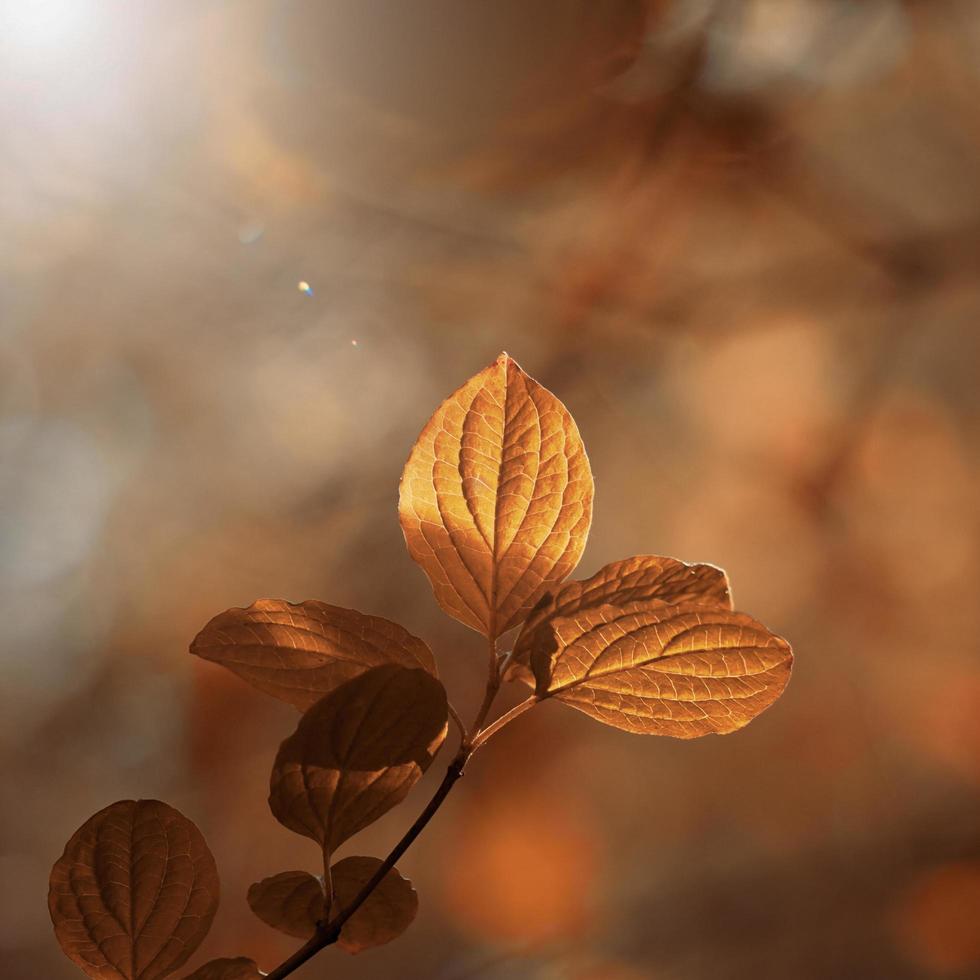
247	247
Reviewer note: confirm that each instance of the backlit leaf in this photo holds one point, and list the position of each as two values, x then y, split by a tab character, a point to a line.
643	578
300	651
496	497
238	968
682	670
291	902
134	893
357	752
387	912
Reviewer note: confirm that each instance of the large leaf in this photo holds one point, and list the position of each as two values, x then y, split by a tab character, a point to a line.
682	670
643	578
238	968
357	752
386	913
292	902
134	893
496	497
299	652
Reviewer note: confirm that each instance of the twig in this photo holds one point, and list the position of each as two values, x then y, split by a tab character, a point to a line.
330	932
454	714
505	719
493	686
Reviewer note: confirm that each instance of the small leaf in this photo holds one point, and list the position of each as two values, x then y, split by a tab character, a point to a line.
238	968
134	893
386	913
299	652
291	902
682	670
496	498
643	578
357	752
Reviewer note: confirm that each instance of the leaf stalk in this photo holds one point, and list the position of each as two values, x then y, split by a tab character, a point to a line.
329	932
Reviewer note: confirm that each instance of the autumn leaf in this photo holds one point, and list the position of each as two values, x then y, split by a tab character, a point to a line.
643	578
683	670
238	968
357	752
299	652
496	498
292	902
386	913
134	893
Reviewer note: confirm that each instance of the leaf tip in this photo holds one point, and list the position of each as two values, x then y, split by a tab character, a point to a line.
507	363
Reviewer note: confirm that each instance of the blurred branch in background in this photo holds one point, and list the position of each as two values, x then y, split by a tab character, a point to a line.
739	236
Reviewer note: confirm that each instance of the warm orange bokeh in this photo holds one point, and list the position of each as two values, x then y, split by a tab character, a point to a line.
741	248
935	919
525	869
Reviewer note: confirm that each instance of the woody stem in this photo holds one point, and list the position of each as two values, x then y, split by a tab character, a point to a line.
329	933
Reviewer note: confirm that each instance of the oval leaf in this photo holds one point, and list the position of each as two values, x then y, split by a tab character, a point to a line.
238	968
291	902
496	498
134	893
357	752
298	652
385	914
684	670
643	578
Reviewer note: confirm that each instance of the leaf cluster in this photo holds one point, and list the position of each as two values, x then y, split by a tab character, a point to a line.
495	504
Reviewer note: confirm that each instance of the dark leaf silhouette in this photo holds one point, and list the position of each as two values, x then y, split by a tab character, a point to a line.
496	497
683	670
300	651
292	902
134	893
357	752
387	912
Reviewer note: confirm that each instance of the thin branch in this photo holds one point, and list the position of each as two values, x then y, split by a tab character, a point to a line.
327	888
493	686
504	719
329	933
454	714
504	662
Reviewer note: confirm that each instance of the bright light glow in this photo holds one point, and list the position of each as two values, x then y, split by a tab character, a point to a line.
46	30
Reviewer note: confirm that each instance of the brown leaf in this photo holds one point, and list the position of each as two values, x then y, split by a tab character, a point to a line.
682	670
385	914
238	968
291	902
299	652
643	578
496	497
134	893
357	752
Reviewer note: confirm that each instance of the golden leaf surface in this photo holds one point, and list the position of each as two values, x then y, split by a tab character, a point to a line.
496	497
682	670
386	913
298	652
237	968
357	752
134	893
292	902
643	578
